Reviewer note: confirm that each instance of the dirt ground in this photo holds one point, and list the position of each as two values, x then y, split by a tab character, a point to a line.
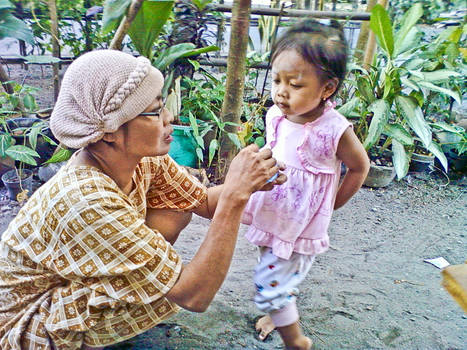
371	290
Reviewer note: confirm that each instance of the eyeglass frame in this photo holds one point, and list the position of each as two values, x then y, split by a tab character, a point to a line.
156	113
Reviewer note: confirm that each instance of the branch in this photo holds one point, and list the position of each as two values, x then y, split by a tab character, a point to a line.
125	24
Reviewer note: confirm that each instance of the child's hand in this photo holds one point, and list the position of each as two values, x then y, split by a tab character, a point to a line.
277	179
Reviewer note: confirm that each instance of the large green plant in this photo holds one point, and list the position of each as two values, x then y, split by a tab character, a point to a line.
144	31
10	26
389	94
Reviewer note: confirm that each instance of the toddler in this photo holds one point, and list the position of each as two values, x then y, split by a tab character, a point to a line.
304	131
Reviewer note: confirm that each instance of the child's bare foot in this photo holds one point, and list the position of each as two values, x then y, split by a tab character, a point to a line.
264	326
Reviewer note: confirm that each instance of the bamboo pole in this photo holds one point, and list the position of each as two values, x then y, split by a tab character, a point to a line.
125	24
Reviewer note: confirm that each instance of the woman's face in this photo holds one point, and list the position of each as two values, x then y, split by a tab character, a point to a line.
151	134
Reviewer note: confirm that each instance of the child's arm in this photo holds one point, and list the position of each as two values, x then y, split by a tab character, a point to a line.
354	156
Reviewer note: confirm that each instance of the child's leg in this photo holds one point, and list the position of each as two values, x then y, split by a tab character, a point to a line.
276	282
293	337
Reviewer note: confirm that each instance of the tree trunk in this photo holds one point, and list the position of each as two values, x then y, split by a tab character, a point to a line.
55	45
116	43
236	67
364	34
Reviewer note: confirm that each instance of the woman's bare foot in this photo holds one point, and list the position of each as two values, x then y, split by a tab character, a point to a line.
264	326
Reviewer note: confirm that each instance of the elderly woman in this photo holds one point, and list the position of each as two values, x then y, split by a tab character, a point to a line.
88	261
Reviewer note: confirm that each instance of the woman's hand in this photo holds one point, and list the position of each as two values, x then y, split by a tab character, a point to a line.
250	171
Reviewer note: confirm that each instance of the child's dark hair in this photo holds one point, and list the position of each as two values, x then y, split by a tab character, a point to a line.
323	46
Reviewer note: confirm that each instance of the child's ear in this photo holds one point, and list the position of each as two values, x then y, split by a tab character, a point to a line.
329	88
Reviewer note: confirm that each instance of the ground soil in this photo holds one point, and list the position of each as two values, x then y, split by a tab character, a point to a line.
371	290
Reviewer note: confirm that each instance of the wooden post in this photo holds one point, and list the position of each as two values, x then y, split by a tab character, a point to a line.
236	67
116	43
55	45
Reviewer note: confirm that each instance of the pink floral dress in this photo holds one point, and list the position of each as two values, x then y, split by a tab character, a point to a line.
295	216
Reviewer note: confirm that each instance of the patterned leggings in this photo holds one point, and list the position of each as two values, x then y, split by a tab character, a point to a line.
277	283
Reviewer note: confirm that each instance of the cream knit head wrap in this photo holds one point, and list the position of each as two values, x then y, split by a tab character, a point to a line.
102	90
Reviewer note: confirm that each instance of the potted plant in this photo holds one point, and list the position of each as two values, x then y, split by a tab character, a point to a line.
387	96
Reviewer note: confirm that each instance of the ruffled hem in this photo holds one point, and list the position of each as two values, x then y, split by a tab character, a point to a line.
283	249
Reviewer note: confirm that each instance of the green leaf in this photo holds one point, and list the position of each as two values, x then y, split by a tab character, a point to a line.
411	41
365	90
5	143
195	64
148	23
380	109
60	156
33	136
193	124
5	4
167	57
234	138
22	154
397	132
29	102
200	51
413	114
452	52
199	141
408	21
41	59
438	152
440	75
445	91
260	141
380	24
213	146
199	153
349	106
400	159
12	27
114	10
410	83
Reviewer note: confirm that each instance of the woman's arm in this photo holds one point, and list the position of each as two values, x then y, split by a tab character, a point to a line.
202	277
207	209
355	158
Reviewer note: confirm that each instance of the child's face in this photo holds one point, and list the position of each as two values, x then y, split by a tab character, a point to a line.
296	87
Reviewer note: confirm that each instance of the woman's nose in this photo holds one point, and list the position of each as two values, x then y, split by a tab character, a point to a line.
167	116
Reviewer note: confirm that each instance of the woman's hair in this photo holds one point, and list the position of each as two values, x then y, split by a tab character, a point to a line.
324	46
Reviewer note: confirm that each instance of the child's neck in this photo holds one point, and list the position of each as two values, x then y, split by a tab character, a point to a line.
307	117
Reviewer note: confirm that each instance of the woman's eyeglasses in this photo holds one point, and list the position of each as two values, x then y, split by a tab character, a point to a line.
157	112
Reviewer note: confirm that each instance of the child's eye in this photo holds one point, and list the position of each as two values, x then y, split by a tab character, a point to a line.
295	86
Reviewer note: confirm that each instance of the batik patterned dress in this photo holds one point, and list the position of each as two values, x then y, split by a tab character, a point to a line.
79	265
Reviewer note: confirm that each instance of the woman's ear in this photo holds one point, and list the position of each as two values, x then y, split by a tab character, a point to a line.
329	88
109	137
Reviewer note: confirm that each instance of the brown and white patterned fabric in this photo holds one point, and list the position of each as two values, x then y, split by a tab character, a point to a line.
79	265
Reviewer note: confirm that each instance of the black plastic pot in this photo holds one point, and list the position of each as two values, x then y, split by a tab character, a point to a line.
14	186
421	162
